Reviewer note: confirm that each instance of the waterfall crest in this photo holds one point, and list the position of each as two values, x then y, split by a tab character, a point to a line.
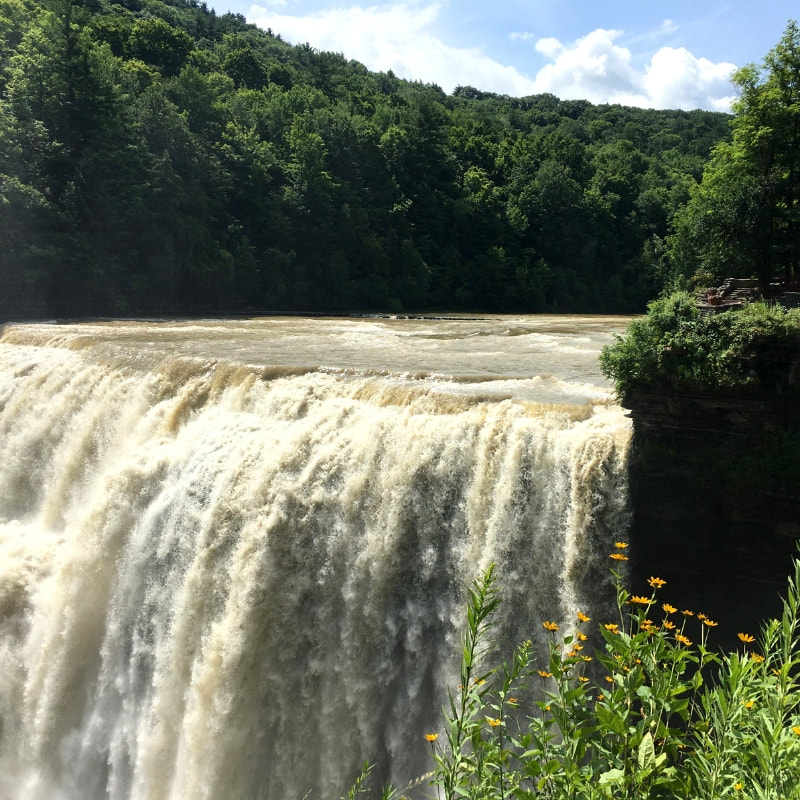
220	580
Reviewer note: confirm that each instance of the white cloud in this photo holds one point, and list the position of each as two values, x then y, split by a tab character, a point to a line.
521	36
397	37
595	68
403	36
677	79
549	47
668	26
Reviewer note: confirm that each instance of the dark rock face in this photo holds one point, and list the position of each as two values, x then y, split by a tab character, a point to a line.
715	492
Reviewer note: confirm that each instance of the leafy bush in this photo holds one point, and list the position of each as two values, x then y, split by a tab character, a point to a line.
675	347
655	713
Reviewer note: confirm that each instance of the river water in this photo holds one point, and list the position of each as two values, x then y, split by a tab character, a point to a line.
234	554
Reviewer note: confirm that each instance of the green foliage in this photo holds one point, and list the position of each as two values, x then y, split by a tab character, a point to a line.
468	762
156	42
360	785
158	158
675	347
656	713
744	218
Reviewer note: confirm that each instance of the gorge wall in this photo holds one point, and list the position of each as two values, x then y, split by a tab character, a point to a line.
715	486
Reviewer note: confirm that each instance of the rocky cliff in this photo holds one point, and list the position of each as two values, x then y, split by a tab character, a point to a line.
715	489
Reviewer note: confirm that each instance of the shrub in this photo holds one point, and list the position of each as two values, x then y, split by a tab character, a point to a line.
655	713
675	347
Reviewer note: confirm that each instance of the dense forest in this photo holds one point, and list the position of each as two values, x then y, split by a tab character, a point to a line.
158	158
743	218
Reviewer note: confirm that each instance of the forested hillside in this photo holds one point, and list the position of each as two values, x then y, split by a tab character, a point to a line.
158	158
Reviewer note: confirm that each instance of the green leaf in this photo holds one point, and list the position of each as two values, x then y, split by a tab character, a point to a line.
646	756
611	720
612	776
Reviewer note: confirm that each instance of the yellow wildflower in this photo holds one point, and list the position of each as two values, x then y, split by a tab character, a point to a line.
550	626
639	600
668	608
746	637
749	704
586	658
431	737
583	679
512	699
757	657
738	786
656	583
601	697
796	729
583	618
545	674
493	722
609	679
582	637
621	545
687	613
701	616
612	627
710	623
682	639
668	625
618	557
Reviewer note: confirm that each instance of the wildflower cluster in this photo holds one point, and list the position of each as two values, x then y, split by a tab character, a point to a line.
654	713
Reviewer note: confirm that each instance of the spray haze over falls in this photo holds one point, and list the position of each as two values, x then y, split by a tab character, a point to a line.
233	555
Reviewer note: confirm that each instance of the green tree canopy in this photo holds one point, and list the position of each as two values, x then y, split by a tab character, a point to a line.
156	157
744	219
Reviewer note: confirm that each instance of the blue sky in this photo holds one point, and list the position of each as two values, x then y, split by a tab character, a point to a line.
635	52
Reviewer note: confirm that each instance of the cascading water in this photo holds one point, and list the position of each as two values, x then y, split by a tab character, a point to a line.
229	572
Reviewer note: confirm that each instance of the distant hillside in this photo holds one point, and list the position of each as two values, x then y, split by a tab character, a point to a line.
157	158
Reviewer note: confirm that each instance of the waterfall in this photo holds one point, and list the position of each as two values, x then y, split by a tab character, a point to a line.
220	580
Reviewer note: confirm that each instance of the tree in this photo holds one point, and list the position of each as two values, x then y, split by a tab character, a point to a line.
744	216
784	65
13	21
157	157
157	42
62	134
